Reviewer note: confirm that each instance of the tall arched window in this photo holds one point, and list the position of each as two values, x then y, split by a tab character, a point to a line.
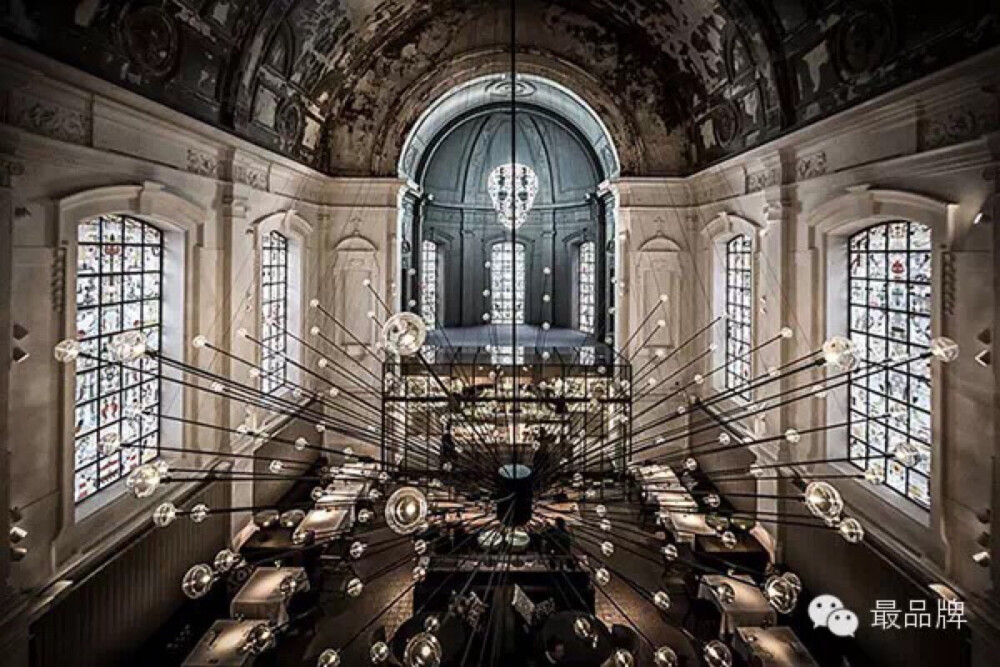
739	295
119	278
507	282
429	283
889	295
587	286
274	312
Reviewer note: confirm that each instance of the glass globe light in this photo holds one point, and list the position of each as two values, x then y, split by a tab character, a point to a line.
729	539
379	652
126	347
420	547
944	349
365	515
406	510
607	548
605	525
793	436
374	495
276	467
291	518
164	515
259	639
601	511
419	573
602	576
725	593
781	594
582	628
824	501
328	658
357	549
66	351
143	481
423	650
665	657
226	560
908	454
839	354
623	658
717	654
354	587
756	470
662	600
199	512
197	581
725	438
690	464
851	530
793	580
300	444
432	624
713	500
670	552
404	334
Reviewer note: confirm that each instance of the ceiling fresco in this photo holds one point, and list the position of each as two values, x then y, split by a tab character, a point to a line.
333	83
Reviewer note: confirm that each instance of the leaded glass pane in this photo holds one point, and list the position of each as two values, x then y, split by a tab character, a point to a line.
507	283
429	283
274	312
588	301
739	291
119	275
889	296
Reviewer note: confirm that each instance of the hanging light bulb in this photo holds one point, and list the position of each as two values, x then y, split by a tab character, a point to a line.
944	349
717	654
582	628
669	552
260	638
607	548
226	560
328	658
66	351
197	581
839	354
665	657
623	658
729	539
199	513
851	530
432	624
406	510
602	576
357	549
781	594
662	600
404	334
164	515
355	587
379	652
423	650
126	347
824	501
143	481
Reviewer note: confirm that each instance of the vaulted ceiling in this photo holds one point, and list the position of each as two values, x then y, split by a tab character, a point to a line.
337	83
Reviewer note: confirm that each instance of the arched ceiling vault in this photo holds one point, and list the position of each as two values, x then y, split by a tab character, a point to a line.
680	83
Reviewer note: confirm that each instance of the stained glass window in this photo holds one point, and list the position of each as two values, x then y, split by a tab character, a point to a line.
507	283
739	294
588	259
119	278
889	294
429	283
274	312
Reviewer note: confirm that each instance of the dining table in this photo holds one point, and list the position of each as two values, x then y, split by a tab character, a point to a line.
748	606
261	596
222	645
776	646
580	652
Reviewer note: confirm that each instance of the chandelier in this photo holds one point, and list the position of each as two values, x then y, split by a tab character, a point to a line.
512	188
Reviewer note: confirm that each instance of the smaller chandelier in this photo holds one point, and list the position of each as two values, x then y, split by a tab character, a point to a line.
512	189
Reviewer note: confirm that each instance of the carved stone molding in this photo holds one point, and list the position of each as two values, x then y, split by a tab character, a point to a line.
204	164
50	120
765	178
956	126
810	166
250	175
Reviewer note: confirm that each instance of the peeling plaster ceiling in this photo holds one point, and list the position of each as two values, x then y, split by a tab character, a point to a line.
336	84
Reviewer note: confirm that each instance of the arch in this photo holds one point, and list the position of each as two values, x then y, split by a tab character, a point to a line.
860	207
150	200
493	91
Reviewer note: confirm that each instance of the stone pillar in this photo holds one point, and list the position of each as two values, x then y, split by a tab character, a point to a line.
13	620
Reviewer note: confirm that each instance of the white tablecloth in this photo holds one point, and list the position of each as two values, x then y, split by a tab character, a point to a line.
773	647
749	606
220	646
261	598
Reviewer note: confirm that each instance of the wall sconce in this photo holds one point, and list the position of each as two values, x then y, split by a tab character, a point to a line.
982	558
